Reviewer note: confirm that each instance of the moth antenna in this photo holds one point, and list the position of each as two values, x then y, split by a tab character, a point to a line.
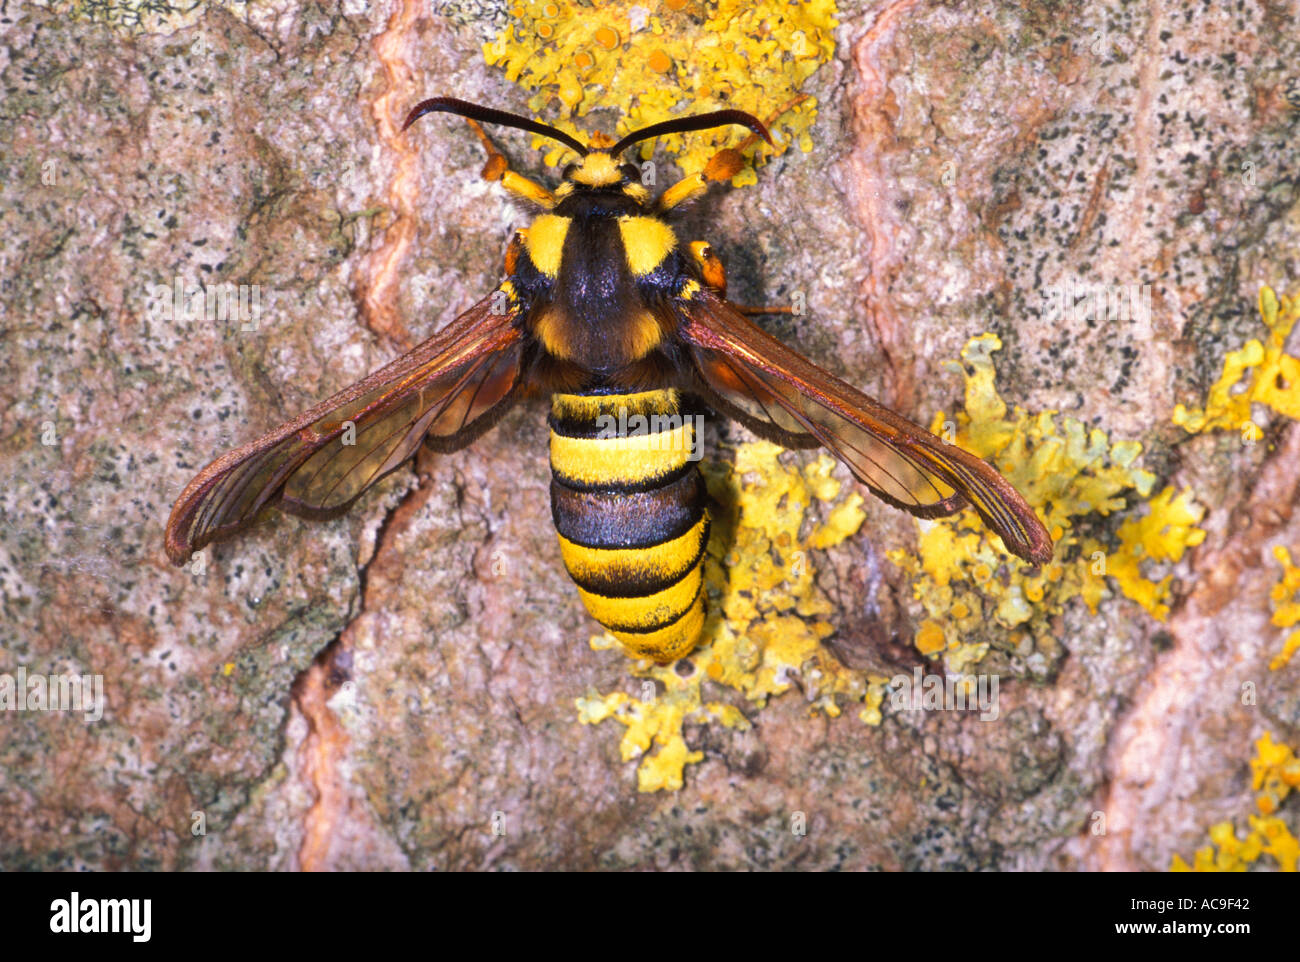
489	115
717	118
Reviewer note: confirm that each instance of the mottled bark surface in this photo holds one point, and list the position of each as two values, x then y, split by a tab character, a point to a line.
383	690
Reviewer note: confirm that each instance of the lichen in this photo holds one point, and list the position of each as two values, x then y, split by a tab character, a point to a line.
1260	373
1286	610
975	592
1161	535
767	619
1274	377
646	60
1276	771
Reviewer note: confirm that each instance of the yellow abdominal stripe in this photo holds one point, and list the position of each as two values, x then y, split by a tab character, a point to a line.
661	562
588	407
637	614
668	643
621	460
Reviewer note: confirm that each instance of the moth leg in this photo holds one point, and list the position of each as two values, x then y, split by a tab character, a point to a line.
760	309
497	168
512	253
723	165
715	278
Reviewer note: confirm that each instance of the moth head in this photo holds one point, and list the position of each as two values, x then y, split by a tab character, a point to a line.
600	168
599	164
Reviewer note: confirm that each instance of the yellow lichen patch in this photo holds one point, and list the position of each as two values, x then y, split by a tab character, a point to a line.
1276	771
929	637
651	62
1286	610
767	617
1232	855
966	580
655	721
1162	534
1274	376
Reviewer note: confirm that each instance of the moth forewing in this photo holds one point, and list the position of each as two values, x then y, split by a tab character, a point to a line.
900	462
458	381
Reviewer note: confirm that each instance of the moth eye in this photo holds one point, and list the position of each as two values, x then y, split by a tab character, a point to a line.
630	171
568	171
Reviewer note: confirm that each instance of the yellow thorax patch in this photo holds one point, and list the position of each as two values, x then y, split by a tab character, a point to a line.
647	241
544	239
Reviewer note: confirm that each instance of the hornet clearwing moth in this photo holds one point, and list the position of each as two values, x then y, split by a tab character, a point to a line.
605	310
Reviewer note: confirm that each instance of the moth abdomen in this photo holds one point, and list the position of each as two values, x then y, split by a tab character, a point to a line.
628	504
